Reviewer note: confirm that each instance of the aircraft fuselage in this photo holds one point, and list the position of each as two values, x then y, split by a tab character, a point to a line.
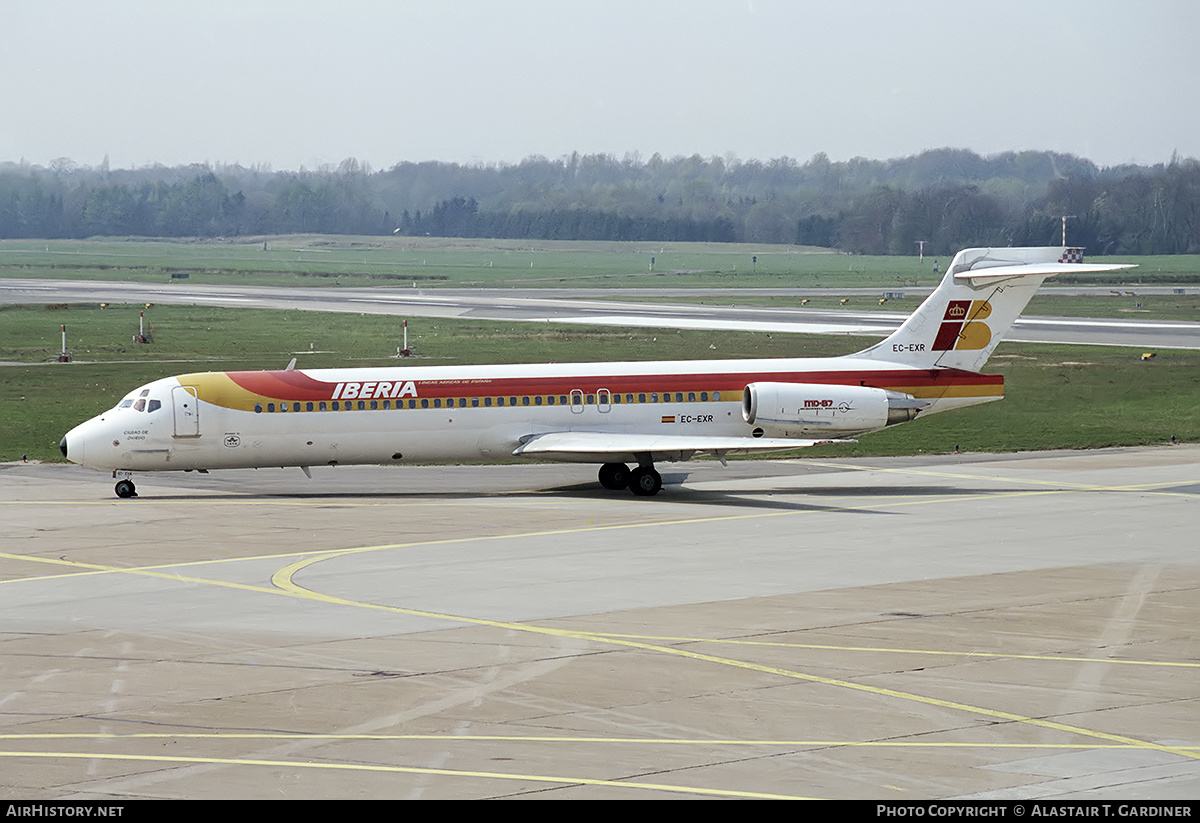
608	413
447	413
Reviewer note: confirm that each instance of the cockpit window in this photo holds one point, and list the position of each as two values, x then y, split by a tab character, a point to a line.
126	403
144	393
155	405
140	405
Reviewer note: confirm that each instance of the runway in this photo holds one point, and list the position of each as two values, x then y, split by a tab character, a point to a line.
982	626
550	306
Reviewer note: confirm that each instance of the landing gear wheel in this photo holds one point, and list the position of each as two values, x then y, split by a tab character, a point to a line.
614	476
644	481
125	488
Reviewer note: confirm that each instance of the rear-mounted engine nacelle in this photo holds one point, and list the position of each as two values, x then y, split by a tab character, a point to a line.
807	409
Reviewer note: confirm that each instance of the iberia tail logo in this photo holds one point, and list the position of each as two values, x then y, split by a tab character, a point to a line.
962	327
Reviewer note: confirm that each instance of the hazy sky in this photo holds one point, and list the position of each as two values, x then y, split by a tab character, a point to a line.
294	83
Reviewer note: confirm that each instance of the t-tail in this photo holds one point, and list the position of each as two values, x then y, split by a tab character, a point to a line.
981	296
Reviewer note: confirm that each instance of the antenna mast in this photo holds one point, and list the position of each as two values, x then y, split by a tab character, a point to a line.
1065	218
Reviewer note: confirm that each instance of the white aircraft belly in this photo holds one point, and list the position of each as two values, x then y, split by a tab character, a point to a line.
232	439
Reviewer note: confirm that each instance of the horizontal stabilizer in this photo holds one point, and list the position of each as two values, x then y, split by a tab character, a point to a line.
994	273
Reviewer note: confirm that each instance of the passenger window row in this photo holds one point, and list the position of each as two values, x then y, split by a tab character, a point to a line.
601	398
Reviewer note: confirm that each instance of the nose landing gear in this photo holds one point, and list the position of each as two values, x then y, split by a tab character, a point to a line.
124	487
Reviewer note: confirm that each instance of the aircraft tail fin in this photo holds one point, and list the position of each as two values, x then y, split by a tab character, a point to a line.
982	294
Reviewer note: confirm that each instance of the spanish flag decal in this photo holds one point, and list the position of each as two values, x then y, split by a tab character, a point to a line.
668	418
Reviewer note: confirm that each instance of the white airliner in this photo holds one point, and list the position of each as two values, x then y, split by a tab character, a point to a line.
614	414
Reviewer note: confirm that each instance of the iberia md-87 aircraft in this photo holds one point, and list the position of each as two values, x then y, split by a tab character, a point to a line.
614	414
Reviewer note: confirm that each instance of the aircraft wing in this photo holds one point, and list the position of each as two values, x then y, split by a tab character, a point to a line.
588	446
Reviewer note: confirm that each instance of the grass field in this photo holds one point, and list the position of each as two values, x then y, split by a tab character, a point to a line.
432	262
1057	396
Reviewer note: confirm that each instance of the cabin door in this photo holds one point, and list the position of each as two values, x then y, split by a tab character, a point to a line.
187	411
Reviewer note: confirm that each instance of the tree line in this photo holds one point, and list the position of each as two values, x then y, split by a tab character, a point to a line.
949	198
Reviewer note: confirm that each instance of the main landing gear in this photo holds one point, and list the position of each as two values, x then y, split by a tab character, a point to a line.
614	476
643	481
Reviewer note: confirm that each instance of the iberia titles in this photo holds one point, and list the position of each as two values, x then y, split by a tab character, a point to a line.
382	390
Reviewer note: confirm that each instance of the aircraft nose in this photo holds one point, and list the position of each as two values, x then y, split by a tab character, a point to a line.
71	445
